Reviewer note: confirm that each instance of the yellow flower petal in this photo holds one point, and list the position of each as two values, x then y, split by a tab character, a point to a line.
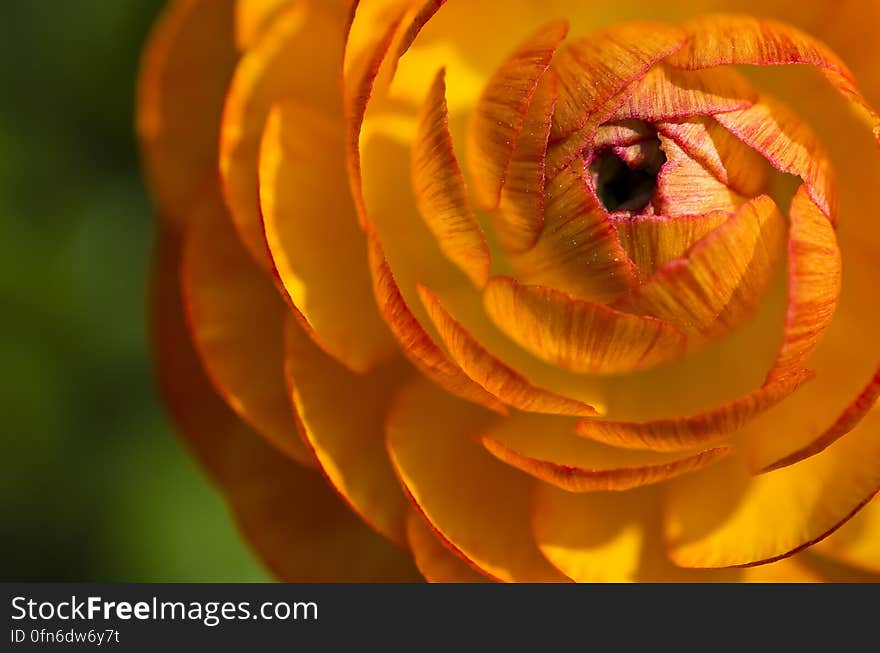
857	542
501	111
440	191
292	520
318	250
343	419
434	559
484	513
546	448
237	320
489	372
186	68
577	335
274	69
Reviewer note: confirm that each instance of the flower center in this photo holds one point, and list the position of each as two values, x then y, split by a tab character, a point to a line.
625	178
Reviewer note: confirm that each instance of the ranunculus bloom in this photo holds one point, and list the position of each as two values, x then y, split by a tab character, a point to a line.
524	290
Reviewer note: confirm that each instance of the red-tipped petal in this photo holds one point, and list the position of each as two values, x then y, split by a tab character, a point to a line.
501	111
440	190
577	335
434	559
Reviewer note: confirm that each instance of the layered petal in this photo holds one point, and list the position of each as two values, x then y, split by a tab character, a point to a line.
577	335
434	559
185	72
343	420
492	374
594	68
855	543
547	449
578	250
728	39
271	71
237	318
316	246
483	513
720	281
440	190
288	514
501	111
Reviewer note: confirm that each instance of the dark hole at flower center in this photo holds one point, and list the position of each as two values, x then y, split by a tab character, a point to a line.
628	187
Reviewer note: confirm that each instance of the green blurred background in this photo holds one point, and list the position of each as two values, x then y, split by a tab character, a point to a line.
93	483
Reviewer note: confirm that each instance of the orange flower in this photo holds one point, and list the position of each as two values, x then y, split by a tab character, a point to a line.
540	291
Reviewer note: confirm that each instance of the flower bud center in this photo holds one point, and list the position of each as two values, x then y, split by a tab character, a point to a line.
627	183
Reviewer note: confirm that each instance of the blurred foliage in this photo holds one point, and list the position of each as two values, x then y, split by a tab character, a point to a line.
93	483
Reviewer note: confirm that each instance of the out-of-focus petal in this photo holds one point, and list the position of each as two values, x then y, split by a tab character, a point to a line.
489	372
440	190
252	17
416	343
293	521
546	448
718	284
520	216
479	505
730	160
436	562
594	68
578	335
652	241
237	319
318	250
343	419
298	56
578	251
185	72
789	144
501	112
857	542
722	39
729	517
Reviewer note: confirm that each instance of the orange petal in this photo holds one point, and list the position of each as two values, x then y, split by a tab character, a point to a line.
185	72
814	284
547	449
622	133
594	68
666	93
290	517
578	250
500	113
237	319
317	248
713	289
702	429
520	217
359	78
848	420
577	335
652	241
608	537
436	562
485	369
483	514
729	517
789	144
418	346
273	70
722	39
731	161
252	17
857	542
440	190
343	418
686	187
